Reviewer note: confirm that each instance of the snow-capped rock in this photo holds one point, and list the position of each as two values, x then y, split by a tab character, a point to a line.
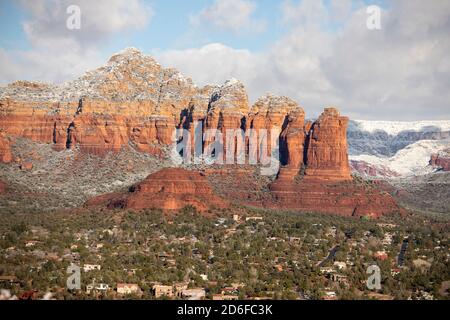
386	138
394	128
396	148
412	160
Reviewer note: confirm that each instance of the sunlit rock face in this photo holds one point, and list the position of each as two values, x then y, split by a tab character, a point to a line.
327	155
129	100
168	189
5	149
134	102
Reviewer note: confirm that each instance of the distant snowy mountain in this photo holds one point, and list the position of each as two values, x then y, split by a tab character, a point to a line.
396	149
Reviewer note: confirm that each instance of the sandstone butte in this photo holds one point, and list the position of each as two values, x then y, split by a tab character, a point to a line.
133	102
167	189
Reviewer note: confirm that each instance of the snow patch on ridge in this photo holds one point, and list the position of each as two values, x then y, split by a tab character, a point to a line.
396	127
412	160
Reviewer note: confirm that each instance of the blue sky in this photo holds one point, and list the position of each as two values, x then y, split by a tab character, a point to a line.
169	27
318	52
12	35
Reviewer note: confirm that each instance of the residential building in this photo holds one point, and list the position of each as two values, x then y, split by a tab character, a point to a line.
194	294
91	267
128	288
161	290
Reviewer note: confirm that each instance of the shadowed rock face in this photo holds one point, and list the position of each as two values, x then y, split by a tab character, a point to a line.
168	189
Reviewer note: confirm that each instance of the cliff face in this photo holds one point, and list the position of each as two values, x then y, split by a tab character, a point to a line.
345	198
168	189
130	100
274	112
325	185
5	149
2	187
327	157
133	102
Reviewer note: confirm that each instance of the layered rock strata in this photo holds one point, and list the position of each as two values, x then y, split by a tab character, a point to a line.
5	149
168	189
133	102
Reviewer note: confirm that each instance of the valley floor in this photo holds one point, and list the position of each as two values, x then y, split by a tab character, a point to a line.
236	253
232	253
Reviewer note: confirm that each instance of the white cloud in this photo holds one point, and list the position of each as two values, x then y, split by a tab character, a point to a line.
57	53
211	64
230	15
306	12
99	18
399	72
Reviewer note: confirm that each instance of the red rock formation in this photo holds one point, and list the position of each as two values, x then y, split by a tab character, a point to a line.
327	157
132	101
369	170
228	108
93	134
26	166
168	189
292	146
326	185
345	198
99	135
441	161
5	149
286	118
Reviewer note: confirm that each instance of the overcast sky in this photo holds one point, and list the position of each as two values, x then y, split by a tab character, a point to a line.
318	52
